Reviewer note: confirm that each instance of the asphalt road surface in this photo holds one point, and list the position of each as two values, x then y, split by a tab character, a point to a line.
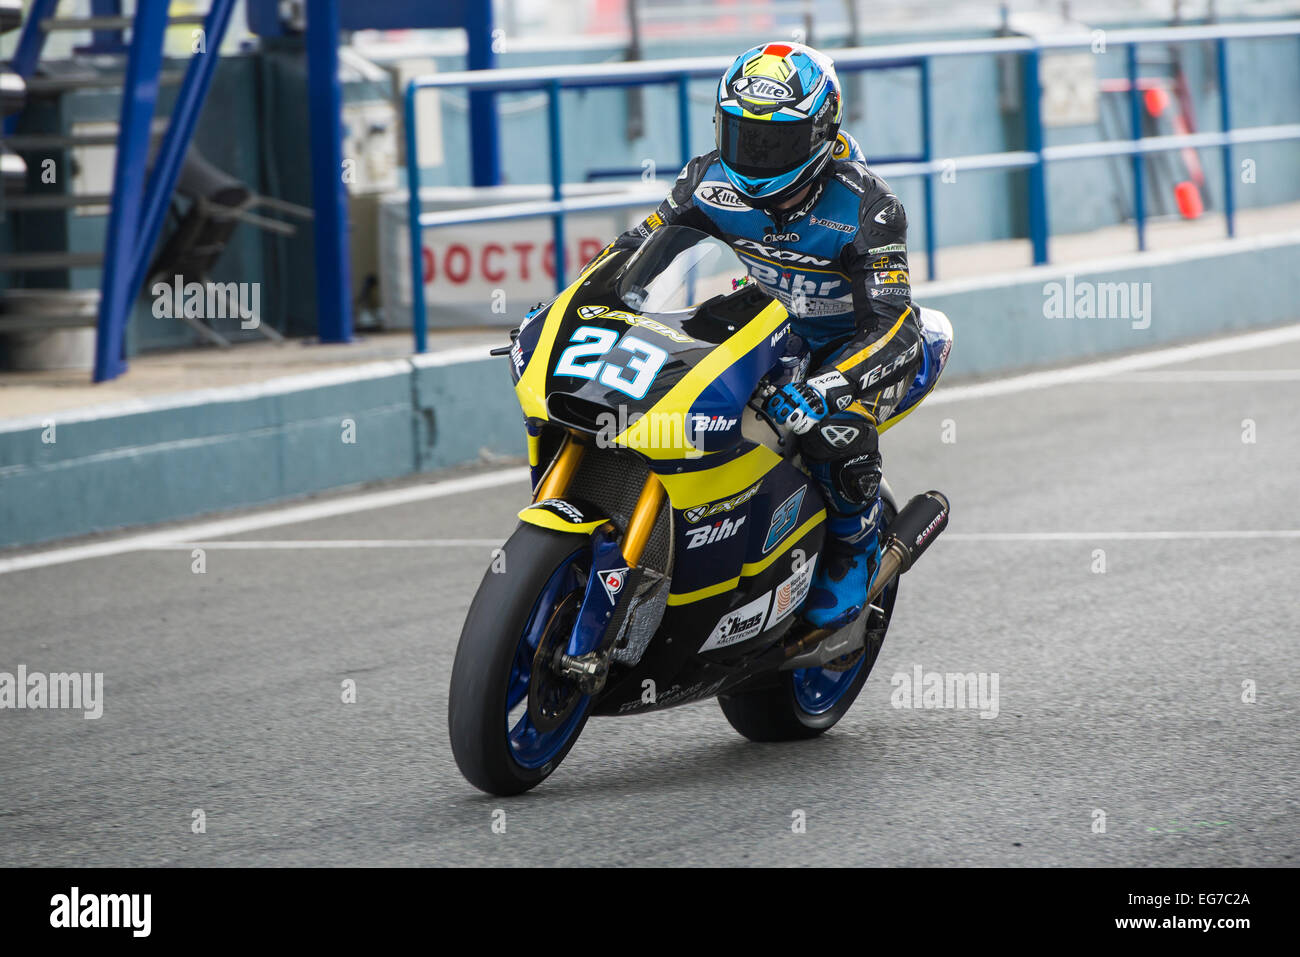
1124	695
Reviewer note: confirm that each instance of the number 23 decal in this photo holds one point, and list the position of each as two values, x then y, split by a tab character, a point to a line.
585	358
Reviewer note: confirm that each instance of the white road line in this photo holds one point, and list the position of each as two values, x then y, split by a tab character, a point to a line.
346	505
281	385
344	543
374	500
293	544
1179	535
1210	376
1110	367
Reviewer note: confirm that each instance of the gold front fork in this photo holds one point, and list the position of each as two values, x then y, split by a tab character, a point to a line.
642	522
556	482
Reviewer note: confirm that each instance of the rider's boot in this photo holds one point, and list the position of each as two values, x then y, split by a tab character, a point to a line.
846	569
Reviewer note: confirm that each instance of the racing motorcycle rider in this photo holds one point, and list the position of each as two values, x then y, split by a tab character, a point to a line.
819	231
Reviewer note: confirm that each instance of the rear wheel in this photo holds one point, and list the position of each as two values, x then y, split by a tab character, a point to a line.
807	701
512	718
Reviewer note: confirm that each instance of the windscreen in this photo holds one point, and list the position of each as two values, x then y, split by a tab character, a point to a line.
676	269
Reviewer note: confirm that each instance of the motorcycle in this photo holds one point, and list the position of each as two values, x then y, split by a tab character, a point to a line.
672	535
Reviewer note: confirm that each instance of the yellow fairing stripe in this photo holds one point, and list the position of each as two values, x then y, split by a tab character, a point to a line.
844	365
749	569
544	518
668	415
534	450
531	387
723	481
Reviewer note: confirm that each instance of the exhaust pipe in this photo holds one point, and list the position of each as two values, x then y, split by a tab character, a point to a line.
910	533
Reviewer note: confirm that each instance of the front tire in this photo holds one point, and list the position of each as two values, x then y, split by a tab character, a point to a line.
512	720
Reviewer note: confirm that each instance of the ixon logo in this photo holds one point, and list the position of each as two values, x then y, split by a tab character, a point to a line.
697	512
208	301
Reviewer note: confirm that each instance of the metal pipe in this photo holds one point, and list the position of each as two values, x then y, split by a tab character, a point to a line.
643	519
927	182
667	70
1135	128
138	99
1033	107
180	130
554	130
556	481
1225	126
419	310
329	192
684	117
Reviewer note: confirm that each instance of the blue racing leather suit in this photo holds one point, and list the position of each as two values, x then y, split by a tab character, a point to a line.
838	262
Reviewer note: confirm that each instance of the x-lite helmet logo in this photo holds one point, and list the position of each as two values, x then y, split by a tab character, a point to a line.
839	436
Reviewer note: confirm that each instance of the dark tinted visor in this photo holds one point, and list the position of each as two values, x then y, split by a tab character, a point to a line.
763	147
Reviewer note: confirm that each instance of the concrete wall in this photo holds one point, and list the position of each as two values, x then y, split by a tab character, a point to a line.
153	461
224	448
1001	323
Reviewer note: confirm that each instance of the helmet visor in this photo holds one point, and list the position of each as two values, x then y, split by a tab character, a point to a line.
761	148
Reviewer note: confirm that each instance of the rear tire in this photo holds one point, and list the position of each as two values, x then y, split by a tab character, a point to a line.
793	709
493	674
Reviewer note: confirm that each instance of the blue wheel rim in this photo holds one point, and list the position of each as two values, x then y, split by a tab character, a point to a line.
817	690
530	747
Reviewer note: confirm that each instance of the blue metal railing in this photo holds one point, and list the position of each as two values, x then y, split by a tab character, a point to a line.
1034	158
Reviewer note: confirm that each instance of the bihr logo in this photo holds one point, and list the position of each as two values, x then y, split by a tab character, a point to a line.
708	534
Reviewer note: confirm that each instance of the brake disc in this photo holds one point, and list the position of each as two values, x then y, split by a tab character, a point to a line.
551	696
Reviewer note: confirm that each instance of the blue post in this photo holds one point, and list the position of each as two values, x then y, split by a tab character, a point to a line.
484	135
329	193
104	41
684	117
419	312
28	52
927	182
1135	121
557	177
180	130
139	93
1225	124
1033	107
32	39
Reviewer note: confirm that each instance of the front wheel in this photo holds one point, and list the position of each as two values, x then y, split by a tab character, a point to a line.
512	719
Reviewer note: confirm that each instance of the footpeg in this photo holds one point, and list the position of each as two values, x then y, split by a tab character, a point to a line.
908	536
